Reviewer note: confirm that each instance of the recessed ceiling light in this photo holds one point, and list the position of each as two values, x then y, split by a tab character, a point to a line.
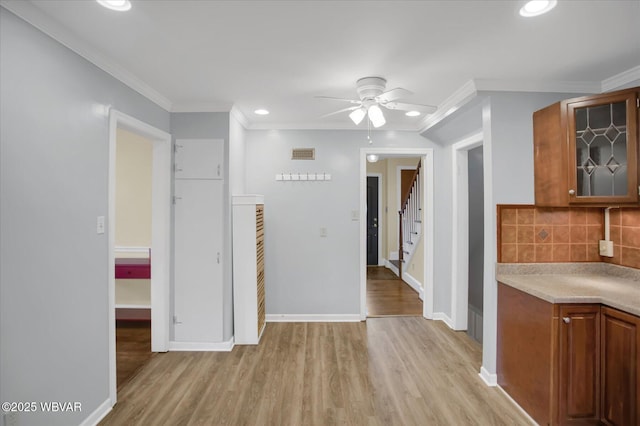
537	7
119	5
261	112
412	113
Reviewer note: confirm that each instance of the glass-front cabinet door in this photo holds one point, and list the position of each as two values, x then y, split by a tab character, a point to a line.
603	149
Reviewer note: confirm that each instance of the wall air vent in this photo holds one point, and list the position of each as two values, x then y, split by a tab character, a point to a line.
303	154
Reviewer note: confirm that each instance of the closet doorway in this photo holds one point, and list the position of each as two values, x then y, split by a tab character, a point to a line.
157	297
134	161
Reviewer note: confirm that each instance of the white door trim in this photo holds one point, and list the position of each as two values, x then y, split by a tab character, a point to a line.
460	231
160	234
381	221
427	206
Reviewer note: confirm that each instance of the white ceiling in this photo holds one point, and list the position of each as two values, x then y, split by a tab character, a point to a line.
211	55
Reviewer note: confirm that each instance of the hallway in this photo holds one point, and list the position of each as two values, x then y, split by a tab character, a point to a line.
388	295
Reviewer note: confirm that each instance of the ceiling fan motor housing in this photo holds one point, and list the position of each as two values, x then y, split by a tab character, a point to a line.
370	87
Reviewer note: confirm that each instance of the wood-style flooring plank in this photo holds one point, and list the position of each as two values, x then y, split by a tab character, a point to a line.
385	371
388	295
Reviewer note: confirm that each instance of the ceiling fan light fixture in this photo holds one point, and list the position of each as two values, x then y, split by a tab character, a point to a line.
376	116
412	113
119	5
357	115
537	7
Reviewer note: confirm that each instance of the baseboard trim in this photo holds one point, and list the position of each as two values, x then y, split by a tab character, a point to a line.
513	401
441	316
225	346
490	379
392	267
98	414
313	318
414	284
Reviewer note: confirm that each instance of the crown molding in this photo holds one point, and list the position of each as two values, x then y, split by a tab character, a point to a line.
202	107
457	99
239	116
621	79
34	16
484	84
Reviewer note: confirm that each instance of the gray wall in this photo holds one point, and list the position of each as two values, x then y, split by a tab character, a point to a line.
306	273
53	185
476	228
211	125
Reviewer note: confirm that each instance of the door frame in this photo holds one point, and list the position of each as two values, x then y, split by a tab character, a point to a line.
160	234
380	218
460	231
428	208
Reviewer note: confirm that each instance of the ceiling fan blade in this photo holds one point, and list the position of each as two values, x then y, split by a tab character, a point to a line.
426	109
353	101
393	94
340	110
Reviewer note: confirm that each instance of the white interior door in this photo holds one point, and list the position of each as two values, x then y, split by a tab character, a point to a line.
198	260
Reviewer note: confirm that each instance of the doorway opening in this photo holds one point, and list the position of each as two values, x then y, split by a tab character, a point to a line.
468	260
423	281
132	253
160	212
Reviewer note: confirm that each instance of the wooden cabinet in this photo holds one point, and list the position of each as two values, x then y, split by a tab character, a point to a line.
248	269
620	367
568	364
579	364
586	150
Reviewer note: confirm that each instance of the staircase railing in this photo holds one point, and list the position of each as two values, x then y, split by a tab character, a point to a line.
409	217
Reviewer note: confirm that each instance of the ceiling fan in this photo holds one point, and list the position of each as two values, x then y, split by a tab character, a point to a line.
372	97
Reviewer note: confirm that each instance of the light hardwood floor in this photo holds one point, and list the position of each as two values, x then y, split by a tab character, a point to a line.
385	371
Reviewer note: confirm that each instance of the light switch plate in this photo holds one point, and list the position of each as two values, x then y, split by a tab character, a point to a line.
606	248
100	225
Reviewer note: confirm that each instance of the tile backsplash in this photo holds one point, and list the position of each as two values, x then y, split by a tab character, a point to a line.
529	234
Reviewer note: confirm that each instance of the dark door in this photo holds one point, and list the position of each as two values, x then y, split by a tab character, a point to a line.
372	220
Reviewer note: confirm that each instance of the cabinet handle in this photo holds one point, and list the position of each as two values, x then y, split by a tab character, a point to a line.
572	192
566	320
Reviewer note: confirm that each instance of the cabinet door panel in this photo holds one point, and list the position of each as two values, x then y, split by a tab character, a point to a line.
198	260
602	136
199	158
579	364
620	333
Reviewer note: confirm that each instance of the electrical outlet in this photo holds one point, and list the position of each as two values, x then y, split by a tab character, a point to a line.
606	248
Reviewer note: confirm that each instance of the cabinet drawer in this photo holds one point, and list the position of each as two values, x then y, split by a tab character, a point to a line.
133	268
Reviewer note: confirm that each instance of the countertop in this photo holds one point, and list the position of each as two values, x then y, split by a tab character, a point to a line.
611	285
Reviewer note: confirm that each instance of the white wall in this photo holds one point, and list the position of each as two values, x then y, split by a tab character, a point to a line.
306	273
53	184
237	149
213	125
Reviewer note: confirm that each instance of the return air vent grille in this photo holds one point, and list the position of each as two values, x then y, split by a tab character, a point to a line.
303	154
